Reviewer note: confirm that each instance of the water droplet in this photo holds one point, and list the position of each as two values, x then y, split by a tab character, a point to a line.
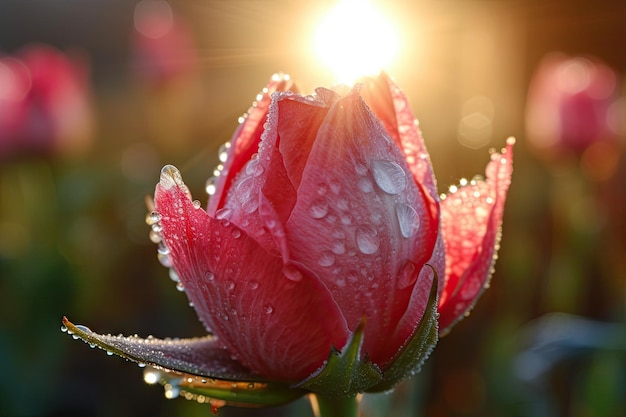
244	189
365	185
162	248
321	189
196	204
326	259
360	168
82	328
153	217
407	219
210	185
151	376
173	275
338	247
342	204
318	209
253	285
292	273
407	275
63	328
250	206
236	233
268	309
389	176
223	213
154	237
180	287
367	239
170	177
165	260
254	168
230	285
223	151
209	276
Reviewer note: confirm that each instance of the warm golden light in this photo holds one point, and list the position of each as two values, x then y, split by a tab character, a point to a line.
355	39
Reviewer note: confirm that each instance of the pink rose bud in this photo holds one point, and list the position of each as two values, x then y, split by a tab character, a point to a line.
325	251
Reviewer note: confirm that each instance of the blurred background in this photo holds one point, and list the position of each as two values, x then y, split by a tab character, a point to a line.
95	96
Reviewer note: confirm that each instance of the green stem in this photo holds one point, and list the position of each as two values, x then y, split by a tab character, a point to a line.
334	407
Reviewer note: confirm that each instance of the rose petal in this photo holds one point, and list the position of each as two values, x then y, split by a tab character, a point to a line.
392	107
241	293
471	219
245	140
359	220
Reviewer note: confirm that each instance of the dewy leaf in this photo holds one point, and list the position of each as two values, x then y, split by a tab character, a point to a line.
198	356
345	374
421	343
218	392
199	368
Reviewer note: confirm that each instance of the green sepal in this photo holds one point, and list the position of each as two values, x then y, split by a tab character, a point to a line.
196	369
420	344
345	374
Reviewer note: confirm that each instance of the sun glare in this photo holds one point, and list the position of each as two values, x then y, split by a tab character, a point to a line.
355	39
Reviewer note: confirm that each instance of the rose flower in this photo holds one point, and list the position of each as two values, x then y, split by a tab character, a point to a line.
324	240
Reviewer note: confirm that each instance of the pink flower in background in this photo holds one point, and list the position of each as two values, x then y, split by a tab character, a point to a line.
326	215
569	104
44	103
162	44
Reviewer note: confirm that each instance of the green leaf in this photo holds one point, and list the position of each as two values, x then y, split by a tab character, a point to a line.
197	368
345	373
412	356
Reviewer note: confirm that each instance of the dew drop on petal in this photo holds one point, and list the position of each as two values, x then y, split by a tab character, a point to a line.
170	177
209	276
244	189
360	168
165	260
268	309
407	275
209	186
250	205
180	287
196	204
321	189
292	273
326	259
223	213
153	217
365	185
318	209
223	151
407	219
236	233
389	176
173	275
163	249
367	239
253	285
155	237
338	247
